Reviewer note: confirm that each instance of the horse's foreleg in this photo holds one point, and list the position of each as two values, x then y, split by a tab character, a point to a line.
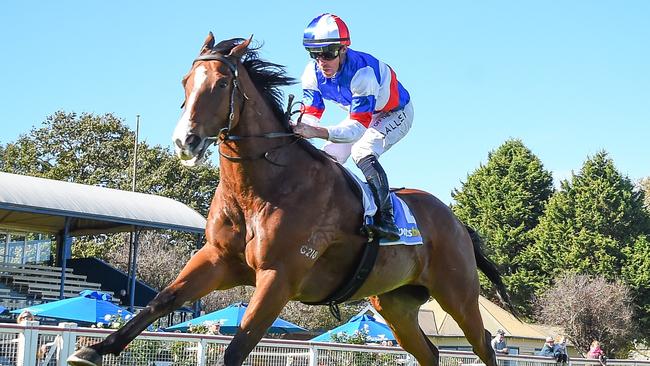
272	292
203	273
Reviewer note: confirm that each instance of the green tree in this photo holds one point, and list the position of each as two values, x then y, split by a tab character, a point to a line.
636	273
588	224
503	201
2	158
645	186
98	150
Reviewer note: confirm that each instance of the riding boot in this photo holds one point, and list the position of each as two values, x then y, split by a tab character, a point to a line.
384	225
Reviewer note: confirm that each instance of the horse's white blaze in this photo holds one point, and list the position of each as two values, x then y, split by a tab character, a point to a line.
185	122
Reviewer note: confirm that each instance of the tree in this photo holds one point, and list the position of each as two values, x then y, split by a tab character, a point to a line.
645	187
2	158
636	273
588	224
589	308
97	150
153	245
503	201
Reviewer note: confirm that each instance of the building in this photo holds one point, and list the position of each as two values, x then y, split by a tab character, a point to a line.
522	338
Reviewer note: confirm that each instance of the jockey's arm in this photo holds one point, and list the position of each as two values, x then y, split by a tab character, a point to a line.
349	130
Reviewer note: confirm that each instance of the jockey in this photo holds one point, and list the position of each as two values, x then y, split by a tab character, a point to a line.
380	110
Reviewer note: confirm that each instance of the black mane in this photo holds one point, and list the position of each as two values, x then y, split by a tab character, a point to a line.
267	76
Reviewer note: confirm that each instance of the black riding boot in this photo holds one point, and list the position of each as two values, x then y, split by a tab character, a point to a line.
384	226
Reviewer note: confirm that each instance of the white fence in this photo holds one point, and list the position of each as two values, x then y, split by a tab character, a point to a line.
35	345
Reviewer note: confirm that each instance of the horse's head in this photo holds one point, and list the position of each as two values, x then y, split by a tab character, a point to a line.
211	98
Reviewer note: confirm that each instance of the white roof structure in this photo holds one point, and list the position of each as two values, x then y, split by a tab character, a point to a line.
42	205
375	314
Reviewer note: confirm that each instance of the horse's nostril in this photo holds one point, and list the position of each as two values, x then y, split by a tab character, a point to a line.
192	141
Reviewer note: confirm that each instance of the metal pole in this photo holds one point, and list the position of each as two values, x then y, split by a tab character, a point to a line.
135	166
133	270
7	239
197	304
135	151
63	253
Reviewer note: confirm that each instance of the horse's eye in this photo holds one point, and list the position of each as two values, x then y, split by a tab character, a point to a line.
223	84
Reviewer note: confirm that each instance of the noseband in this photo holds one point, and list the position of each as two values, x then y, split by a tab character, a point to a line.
224	133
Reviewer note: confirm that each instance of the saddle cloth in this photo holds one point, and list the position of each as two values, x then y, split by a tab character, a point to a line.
404	219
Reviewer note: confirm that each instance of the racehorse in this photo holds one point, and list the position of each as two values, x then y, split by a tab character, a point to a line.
285	220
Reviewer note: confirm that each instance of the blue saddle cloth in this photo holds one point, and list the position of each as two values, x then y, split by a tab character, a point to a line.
404	219
409	234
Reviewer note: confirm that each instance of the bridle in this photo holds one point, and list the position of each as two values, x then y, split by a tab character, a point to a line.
224	133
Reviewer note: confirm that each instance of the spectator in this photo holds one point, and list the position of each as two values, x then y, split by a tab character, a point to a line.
25	316
560	351
548	350
596	353
214	328
499	343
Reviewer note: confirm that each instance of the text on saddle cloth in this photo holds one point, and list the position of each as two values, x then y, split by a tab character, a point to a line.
404	219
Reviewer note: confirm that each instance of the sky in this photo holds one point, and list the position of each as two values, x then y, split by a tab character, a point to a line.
567	78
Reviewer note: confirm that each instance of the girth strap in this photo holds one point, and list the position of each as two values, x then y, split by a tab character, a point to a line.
361	272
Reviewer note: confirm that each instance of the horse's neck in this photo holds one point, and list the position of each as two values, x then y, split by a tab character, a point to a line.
250	172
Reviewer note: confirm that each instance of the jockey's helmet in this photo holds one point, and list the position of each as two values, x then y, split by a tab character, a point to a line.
324	31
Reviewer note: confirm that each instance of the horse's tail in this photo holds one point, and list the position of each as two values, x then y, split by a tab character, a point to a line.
490	270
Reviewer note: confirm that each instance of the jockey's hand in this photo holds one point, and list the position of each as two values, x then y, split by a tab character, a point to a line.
309	131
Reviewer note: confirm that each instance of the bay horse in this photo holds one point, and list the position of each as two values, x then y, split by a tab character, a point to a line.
285	220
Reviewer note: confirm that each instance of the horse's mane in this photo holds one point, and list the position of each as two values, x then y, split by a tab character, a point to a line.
268	77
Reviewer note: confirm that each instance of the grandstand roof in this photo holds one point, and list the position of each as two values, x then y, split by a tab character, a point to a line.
41	205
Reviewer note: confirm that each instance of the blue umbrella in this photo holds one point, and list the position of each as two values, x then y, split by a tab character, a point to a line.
89	306
230	320
375	331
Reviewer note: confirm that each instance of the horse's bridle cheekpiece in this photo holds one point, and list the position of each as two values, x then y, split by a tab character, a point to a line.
224	134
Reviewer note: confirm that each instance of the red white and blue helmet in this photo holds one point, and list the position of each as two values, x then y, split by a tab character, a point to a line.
326	29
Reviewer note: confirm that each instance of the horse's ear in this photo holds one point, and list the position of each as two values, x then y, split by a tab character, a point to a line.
208	44
240	49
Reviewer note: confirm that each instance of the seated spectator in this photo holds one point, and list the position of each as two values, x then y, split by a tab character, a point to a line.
499	343
595	352
548	350
560	351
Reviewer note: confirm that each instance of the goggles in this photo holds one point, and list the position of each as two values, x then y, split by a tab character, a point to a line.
328	53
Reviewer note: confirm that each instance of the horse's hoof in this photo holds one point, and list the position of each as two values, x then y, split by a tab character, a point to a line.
85	357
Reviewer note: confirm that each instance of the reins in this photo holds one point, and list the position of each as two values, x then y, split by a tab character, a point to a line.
225	135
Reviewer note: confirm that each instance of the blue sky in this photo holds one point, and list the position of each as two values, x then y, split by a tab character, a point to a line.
568	78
